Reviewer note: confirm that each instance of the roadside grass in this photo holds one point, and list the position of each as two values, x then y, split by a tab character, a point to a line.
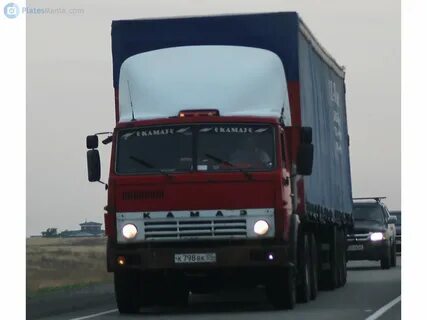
56	263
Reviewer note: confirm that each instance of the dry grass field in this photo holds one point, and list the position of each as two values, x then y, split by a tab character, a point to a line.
62	262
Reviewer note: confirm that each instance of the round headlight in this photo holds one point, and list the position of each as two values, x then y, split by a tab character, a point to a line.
261	227
377	236
129	231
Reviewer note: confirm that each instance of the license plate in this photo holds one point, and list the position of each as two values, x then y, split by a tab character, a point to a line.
195	258
355	247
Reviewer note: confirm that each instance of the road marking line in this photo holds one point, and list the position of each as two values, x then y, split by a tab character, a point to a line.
383	309
95	315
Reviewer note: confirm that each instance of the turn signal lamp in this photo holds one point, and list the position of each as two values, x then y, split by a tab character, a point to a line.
198	113
121	260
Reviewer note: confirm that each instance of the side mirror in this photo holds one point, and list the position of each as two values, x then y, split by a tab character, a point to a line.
92	142
306	135
93	165
392	219
305	159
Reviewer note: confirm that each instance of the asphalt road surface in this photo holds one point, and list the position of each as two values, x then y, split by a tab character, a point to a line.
370	293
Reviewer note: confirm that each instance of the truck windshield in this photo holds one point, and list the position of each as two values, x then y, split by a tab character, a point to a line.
155	149
229	147
372	213
207	147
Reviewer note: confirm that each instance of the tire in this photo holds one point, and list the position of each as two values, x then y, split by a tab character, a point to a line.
304	270
342	260
386	259
127	286
281	288
314	268
329	278
344	265
393	255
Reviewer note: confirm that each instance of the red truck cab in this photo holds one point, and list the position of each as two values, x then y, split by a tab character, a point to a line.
199	193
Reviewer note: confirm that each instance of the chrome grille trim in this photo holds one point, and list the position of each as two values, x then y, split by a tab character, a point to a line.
185	225
189	229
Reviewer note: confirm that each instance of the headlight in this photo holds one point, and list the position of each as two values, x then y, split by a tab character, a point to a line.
129	231
377	236
261	227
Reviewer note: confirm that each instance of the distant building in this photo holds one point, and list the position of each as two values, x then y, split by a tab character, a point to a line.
50	233
76	234
87	230
91	227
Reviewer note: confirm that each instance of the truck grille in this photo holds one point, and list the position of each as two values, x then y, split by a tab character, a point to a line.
214	228
215	224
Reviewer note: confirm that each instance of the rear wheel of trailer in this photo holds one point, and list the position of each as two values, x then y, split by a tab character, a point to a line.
304	270
314	267
342	260
329	259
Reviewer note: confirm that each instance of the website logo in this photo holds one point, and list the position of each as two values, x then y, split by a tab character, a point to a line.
11	10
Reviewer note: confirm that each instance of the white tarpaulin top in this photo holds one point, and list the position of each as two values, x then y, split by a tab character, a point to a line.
234	80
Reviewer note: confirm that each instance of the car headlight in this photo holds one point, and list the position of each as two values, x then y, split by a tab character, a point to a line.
377	236
261	227
129	231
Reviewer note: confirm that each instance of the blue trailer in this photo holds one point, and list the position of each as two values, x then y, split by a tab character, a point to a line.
315	87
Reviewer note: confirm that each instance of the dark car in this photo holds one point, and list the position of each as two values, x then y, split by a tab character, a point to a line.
398	215
374	233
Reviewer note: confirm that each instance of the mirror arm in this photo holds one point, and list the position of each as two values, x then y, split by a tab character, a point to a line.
107	140
105	184
101	133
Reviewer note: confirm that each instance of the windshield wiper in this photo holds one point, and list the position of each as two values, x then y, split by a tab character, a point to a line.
219	160
148	165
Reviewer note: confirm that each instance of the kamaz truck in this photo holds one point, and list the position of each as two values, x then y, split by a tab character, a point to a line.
229	160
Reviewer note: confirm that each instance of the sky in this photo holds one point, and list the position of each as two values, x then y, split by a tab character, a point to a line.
70	93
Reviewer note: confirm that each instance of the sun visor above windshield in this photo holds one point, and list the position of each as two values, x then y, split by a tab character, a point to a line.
236	81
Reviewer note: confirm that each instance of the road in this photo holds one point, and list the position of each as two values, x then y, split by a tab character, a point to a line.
368	290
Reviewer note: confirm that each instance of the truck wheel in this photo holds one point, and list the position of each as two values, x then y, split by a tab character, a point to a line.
329	277
342	260
304	270
386	259
281	288
344	265
127	286
393	254
314	267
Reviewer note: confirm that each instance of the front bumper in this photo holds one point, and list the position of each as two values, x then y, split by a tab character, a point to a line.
366	250
228	255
